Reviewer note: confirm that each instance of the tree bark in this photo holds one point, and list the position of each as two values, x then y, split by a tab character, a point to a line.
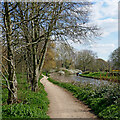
12	94
34	56
42	59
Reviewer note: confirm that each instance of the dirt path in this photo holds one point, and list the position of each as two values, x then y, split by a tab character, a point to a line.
63	104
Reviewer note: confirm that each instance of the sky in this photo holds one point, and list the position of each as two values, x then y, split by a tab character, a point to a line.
105	15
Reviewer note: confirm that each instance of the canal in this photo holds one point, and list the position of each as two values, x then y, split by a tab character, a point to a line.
71	78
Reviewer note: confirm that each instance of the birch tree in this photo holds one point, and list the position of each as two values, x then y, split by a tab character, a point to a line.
11	80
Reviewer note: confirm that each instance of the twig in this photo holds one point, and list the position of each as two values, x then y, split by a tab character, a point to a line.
4	68
6	58
8	85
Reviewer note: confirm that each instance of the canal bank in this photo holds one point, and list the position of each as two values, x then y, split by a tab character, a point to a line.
103	99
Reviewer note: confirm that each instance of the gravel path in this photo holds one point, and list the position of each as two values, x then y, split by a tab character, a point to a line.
63	104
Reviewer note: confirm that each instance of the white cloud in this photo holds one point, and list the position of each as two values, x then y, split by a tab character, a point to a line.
108	26
102	47
105	8
104	14
103	50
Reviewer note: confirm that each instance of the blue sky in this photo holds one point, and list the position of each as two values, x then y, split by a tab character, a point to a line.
105	15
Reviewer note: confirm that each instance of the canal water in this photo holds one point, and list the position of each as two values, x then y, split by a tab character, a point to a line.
71	78
89	80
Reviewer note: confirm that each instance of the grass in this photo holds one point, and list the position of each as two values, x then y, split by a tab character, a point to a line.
31	104
102	76
103	100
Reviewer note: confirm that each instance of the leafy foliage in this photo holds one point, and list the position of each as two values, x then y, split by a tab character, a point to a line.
31	104
110	112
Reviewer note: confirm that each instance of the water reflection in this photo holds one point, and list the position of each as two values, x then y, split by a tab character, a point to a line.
88	80
71	78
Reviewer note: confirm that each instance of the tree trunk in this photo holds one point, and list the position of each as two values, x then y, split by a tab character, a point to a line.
34	56
12	94
34	80
41	63
28	66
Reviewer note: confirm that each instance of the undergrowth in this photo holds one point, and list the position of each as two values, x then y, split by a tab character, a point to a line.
31	104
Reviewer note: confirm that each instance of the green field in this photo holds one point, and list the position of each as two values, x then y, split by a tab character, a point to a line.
30	104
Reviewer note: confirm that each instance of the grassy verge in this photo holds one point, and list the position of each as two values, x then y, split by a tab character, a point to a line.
103	100
31	104
102	76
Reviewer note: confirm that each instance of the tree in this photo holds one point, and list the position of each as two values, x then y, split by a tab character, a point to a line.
115	58
84	59
50	62
11	81
57	20
36	33
101	65
64	55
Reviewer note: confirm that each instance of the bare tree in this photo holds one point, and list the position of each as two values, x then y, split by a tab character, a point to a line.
84	59
57	21
11	80
65	56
